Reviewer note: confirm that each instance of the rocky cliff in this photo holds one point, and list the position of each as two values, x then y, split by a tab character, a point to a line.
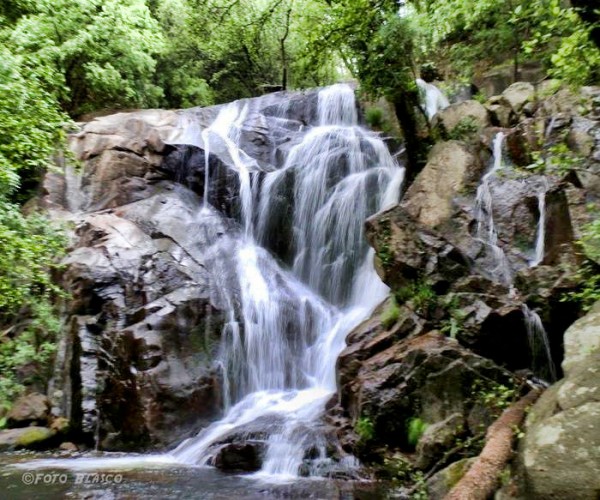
137	365
477	264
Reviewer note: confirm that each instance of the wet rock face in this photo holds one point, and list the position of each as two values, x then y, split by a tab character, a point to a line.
238	457
143	331
452	167
137	364
427	377
442	274
407	251
470	113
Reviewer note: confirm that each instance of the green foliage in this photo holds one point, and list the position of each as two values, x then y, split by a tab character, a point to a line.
374	117
101	53
29	322
461	32
31	125
494	396
420	294
464	129
391	314
415	428
222	50
365	429
400	471
453	323
588	275
31	130
556	160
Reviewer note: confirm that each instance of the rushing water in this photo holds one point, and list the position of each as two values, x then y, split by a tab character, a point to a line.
287	327
287	323
541	229
539	343
484	212
433	99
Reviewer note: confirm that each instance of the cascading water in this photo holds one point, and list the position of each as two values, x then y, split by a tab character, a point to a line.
539	345
433	98
486	229
486	232
541	229
286	328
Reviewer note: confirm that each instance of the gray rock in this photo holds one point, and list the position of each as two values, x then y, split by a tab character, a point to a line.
240	457
29	409
561	449
518	95
450	169
471	111
437	439
429	377
440	484
33	438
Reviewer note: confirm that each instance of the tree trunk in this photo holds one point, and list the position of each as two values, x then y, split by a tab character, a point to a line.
405	106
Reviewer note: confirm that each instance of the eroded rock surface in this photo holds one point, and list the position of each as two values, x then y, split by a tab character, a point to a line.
561	449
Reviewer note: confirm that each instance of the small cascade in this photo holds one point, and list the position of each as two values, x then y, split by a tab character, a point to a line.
286	328
484	213
433	99
74	193
541	229
539	345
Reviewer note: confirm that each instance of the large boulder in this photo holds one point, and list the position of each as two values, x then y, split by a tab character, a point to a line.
426	377
518	95
450	169
469	114
560	453
29	409
31	438
240	457
407	251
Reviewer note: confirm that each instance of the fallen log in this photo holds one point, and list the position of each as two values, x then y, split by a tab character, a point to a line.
482	478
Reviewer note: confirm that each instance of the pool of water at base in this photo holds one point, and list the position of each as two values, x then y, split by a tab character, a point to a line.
160	481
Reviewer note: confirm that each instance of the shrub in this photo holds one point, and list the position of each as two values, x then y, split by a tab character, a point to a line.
365	429
374	118
415	428
391	314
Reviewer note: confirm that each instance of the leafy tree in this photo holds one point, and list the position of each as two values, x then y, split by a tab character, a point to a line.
29	321
31	127
461	32
102	52
221	50
377	45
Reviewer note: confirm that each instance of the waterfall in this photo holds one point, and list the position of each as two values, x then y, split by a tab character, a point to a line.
433	99
541	229
484	213
486	232
539	345
286	327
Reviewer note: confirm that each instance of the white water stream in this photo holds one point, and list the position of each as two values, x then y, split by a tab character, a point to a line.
287	328
539	343
484	213
433	99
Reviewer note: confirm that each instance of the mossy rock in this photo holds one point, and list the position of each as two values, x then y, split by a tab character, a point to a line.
442	482
35	437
